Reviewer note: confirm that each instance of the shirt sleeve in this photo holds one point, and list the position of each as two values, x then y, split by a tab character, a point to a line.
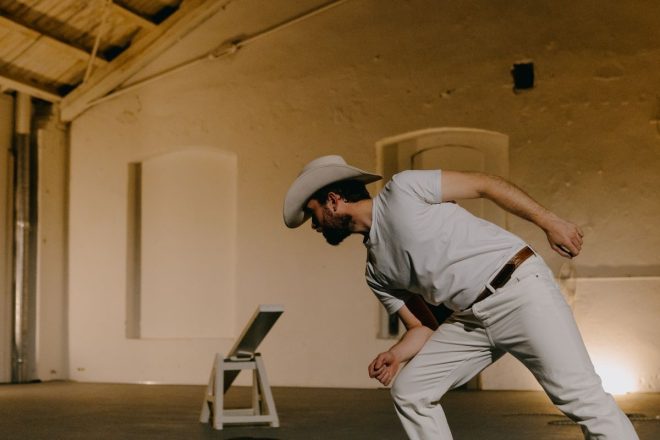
424	185
392	300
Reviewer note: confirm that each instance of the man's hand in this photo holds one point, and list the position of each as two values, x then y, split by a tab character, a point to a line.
384	367
564	237
386	364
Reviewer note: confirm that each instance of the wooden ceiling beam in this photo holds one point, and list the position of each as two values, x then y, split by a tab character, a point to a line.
7	83
144	49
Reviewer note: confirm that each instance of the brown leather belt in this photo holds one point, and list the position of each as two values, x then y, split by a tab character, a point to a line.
504	275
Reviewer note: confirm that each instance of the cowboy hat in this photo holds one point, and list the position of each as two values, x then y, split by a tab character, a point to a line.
314	176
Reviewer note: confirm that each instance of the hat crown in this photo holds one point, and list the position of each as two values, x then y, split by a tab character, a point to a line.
323	161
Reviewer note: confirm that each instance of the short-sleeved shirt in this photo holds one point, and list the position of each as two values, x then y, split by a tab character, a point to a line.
420	245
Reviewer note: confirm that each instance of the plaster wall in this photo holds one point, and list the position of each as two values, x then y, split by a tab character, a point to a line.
585	142
617	324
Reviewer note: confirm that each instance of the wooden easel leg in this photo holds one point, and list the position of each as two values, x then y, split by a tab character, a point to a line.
218	394
256	395
266	394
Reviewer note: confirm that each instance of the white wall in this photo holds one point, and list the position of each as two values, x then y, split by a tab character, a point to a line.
618	320
581	143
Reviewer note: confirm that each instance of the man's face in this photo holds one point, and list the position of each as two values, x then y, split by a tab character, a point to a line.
334	227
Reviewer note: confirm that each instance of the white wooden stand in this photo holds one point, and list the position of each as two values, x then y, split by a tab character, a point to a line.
263	406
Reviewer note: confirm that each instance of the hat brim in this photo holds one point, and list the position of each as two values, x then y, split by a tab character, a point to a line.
309	182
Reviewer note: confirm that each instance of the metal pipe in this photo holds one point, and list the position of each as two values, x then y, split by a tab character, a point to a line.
21	238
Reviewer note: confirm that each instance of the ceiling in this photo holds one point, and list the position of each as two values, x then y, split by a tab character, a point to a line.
75	51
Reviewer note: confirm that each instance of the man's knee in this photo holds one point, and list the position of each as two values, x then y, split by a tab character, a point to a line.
406	391
402	390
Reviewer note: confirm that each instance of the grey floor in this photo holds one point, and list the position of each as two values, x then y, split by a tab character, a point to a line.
61	410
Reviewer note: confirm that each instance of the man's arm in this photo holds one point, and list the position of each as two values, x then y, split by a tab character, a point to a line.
418	330
564	237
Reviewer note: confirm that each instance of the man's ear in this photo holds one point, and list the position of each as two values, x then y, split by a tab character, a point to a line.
334	199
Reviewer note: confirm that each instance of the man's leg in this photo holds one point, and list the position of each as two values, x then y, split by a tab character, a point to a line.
530	319
457	351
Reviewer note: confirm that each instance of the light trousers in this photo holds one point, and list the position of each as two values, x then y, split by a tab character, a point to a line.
530	319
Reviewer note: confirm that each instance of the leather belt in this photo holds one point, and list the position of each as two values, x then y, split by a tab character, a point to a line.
504	275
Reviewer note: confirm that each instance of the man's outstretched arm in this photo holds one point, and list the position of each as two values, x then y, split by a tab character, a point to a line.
564	237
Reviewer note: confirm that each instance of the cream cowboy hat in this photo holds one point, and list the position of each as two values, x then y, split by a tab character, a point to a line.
314	176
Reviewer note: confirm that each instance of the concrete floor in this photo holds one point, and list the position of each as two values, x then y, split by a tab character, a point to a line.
61	410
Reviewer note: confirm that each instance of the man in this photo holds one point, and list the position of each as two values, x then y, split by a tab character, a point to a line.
423	249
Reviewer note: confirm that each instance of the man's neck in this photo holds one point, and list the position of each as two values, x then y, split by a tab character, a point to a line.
361	212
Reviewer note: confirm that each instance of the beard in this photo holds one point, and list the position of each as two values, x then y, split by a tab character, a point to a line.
336	228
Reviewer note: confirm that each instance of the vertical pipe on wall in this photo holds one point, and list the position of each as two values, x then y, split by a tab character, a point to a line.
6	233
21	238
